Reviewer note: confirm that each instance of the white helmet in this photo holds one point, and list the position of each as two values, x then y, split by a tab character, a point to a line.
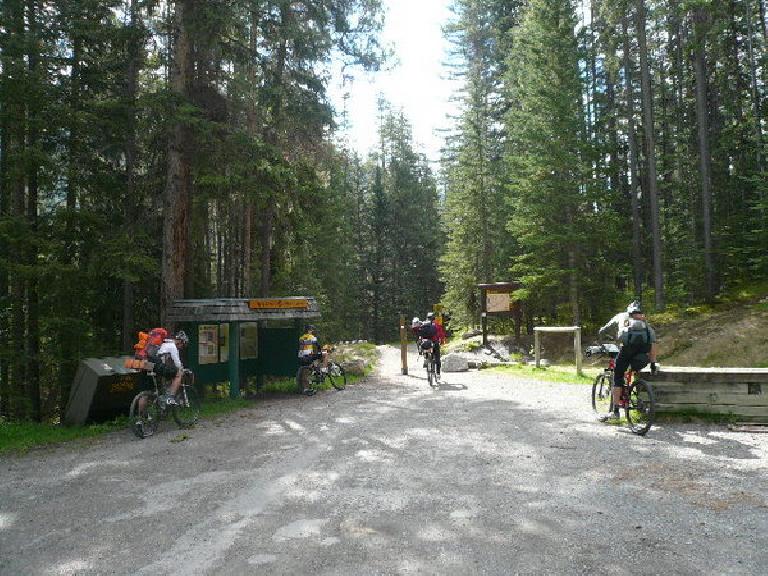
634	308
415	321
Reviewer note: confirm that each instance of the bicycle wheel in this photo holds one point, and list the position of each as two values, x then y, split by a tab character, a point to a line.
187	411
641	408
336	376
144	419
602	397
431	377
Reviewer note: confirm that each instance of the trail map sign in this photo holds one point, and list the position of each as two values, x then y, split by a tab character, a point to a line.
496	300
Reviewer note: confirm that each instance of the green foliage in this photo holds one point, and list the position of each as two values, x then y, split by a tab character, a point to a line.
549	374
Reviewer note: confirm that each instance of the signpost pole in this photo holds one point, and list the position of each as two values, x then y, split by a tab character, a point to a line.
577	347
537	347
403	346
234	360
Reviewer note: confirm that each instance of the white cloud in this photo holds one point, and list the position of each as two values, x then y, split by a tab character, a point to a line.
418	84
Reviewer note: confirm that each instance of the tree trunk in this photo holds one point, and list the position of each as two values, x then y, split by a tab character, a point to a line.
272	138
176	201
634	190
650	140
131	87
758	130
701	19
33	323
5	197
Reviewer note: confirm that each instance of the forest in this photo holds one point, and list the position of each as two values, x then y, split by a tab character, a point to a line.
155	150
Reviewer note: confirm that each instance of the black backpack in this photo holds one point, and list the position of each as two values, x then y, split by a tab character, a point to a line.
428	331
638	337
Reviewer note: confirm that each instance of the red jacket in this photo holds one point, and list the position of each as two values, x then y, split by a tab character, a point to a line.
439	333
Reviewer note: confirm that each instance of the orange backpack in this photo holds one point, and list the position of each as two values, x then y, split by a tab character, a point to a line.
146	348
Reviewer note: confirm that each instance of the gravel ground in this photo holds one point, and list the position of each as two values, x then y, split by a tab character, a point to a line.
487	475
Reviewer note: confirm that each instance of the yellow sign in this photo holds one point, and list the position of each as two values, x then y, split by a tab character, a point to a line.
124	384
279	304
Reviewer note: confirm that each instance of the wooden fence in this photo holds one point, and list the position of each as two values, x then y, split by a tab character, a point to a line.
739	392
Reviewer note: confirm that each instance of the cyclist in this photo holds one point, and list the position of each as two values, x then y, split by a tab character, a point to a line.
431	330
638	348
309	353
169	365
415	330
621	320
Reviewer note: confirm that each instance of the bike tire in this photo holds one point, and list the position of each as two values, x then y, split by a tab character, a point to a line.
187	412
641	407
337	376
144	420
431	376
602	394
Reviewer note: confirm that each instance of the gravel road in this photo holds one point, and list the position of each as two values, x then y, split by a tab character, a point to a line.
487	475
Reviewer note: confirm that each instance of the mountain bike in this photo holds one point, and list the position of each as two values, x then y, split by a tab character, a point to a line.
333	372
637	398
149	406
427	350
602	399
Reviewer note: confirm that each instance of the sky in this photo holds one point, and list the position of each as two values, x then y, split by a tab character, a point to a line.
415	81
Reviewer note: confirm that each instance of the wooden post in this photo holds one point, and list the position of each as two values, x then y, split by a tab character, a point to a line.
484	323
536	347
403	346
234	360
577	349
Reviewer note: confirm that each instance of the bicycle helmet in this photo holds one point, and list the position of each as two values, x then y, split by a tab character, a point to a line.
634	308
415	321
309	328
431	316
182	337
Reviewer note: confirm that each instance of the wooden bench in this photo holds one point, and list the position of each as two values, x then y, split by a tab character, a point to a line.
740	392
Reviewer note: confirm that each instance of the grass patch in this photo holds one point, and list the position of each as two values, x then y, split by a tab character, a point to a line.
695	417
288	385
564	374
22	436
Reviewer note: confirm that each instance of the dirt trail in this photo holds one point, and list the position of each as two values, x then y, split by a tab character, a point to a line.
486	475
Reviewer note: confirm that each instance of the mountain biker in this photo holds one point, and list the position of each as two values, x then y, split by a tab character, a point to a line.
638	348
621	320
431	330
169	365
415	330
309	353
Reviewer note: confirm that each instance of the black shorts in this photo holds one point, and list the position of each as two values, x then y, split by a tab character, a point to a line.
166	370
307	360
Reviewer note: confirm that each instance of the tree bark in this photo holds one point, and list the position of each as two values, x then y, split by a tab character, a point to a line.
272	138
176	201
634	190
701	19
758	130
33	321
650	141
131	87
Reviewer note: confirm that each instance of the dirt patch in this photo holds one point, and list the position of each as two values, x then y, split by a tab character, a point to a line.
734	337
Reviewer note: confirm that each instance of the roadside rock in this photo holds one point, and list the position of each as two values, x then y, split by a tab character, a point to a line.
454	363
355	366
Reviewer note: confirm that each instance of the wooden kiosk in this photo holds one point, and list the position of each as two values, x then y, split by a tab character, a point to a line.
235	338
